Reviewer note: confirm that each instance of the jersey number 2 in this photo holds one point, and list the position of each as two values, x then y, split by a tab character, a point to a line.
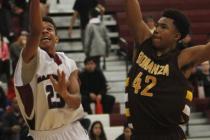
149	79
54	99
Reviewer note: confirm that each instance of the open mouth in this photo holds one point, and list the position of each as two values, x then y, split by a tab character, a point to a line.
156	37
45	39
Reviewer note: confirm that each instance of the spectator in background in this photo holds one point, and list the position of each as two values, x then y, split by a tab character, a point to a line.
4	58
5	18
203	76
127	134
185	42
16	48
205	67
97	131
81	9
94	87
150	23
4	104
97	42
20	9
12	127
44	4
200	77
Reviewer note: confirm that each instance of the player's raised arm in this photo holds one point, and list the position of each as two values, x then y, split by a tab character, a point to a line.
35	27
138	27
194	55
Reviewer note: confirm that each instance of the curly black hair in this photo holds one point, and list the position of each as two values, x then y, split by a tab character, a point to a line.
50	20
180	21
95	12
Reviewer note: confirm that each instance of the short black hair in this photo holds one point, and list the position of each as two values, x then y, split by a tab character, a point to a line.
50	20
94	12
180	21
88	59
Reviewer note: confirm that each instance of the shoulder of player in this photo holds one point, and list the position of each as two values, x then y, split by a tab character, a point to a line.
64	57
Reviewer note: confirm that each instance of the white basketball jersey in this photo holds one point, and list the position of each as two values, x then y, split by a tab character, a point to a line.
41	107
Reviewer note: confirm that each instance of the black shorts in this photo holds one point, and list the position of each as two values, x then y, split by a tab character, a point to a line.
161	134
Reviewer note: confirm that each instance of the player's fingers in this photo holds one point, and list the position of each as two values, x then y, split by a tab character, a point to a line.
63	77
54	82
59	75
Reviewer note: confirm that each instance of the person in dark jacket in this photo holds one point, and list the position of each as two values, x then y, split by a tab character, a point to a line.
93	86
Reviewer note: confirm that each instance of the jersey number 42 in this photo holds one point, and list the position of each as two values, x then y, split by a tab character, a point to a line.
150	80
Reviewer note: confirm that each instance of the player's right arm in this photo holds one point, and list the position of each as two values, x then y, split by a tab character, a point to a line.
136	23
35	26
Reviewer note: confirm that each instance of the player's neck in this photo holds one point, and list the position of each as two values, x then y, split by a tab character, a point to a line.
166	50
51	51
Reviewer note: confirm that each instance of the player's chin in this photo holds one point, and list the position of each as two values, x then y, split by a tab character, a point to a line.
45	44
156	43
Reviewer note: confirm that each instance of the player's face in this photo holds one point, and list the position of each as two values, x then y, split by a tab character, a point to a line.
48	38
165	34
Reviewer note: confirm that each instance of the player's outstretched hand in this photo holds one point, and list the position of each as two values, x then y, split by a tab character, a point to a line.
60	85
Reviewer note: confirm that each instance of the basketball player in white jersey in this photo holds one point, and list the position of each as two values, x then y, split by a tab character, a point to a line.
46	84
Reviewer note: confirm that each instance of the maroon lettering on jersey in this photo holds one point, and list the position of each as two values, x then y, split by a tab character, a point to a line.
43	77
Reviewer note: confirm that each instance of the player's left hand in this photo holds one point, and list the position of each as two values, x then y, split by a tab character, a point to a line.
60	85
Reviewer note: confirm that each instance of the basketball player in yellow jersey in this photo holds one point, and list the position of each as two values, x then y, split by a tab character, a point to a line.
46	84
159	93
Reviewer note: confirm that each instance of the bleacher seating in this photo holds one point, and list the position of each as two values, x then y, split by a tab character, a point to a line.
114	5
117	119
154	5
200	28
198	38
113	132
126	41
201	104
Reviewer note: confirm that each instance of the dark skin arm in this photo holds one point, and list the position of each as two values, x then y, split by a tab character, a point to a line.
193	56
136	23
35	26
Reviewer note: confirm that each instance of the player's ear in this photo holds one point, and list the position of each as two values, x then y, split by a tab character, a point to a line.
56	39
177	36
